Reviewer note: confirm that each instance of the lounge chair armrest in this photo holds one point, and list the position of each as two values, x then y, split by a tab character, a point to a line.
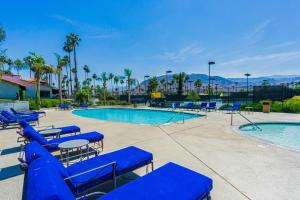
112	164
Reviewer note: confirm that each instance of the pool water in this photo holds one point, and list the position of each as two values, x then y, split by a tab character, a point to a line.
136	116
285	134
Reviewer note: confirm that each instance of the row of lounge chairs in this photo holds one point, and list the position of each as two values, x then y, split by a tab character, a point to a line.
65	106
48	178
191	105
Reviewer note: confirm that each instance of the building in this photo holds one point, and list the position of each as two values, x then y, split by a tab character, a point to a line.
14	87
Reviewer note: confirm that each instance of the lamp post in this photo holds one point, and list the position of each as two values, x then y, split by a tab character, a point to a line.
146	77
167	72
209	64
247	76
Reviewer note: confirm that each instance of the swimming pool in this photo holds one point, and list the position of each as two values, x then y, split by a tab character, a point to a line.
136	116
285	134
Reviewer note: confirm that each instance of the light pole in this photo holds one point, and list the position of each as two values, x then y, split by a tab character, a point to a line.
167	72
209	64
247	76
146	77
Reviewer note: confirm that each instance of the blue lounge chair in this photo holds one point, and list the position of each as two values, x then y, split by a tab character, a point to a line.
52	145
188	105
234	107
83	105
28	118
63	106
170	181
85	174
4	122
201	106
212	106
64	129
27	113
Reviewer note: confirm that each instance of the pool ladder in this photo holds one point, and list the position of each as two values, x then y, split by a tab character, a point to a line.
253	124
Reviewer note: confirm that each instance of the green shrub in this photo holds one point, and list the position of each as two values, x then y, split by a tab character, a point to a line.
45	103
112	103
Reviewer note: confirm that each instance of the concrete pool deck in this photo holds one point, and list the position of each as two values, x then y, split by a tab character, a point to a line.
241	167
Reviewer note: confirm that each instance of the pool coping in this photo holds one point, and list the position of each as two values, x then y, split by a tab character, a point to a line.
237	130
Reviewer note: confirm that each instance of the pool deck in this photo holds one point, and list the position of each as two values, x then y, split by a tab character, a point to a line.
240	166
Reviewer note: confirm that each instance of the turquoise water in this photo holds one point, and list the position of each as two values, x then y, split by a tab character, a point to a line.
136	116
285	134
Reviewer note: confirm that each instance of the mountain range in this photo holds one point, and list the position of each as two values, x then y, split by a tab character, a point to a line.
242	82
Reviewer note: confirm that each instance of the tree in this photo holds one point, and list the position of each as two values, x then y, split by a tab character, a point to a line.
94	77
163	84
82	96
2	34
18	65
193	96
73	40
198	84
179	80
38	66
116	82
122	82
104	79
86	70
68	48
110	77
128	74
152	85
28	63
61	62
266	83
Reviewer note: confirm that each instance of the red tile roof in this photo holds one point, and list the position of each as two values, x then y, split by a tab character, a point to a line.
15	79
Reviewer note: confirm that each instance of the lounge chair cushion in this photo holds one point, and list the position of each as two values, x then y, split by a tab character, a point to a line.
44	182
90	136
66	129
127	159
168	182
34	150
31	134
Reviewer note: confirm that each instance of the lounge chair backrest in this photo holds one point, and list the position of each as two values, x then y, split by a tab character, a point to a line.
203	104
237	105
8	115
4	119
33	135
34	150
24	123
13	111
212	104
45	182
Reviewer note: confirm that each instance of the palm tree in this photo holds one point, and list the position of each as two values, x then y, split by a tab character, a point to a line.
61	62
73	40
38	66
122	82
68	48
198	84
162	83
18	65
94	76
86	70
110	77
49	70
104	79
116	82
128	74
28	62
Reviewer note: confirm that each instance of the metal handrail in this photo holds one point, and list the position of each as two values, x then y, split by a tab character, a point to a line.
253	124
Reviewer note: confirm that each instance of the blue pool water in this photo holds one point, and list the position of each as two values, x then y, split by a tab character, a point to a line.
285	134
136	116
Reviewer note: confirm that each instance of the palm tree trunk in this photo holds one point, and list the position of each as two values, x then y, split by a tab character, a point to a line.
59	86
129	92
75	65
37	92
70	79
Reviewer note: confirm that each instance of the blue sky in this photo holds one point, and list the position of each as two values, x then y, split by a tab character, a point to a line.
151	36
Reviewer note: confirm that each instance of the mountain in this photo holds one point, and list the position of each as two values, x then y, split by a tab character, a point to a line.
242	82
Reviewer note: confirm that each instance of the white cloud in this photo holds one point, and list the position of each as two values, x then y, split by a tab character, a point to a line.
271	58
284	44
182	54
254	34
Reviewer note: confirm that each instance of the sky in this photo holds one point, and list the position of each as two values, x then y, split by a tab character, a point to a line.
152	36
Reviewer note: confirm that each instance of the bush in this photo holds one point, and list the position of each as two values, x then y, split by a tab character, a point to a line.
82	96
45	103
112	103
